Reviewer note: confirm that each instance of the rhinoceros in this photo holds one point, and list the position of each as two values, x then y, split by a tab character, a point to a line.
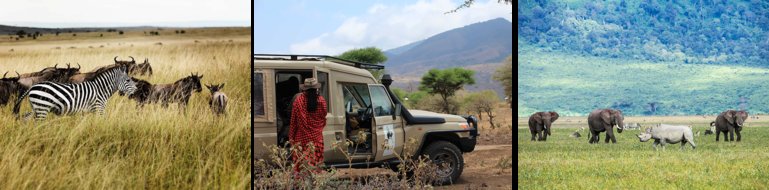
669	134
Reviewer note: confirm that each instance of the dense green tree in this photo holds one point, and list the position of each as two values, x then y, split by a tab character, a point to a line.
370	55
445	83
409	99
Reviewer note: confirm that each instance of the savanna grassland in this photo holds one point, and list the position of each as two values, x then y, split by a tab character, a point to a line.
563	162
131	148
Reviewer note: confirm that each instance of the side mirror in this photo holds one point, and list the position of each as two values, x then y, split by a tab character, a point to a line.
397	112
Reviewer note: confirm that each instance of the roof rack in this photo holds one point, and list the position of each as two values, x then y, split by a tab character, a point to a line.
298	57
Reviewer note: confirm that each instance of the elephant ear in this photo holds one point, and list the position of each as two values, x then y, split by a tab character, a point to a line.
553	116
606	116
537	117
729	115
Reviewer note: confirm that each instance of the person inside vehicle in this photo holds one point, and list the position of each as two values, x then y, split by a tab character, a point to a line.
285	91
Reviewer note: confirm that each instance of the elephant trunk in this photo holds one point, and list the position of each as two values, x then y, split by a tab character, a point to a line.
620	126
548	125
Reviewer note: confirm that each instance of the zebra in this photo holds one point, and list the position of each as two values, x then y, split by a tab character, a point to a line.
67	98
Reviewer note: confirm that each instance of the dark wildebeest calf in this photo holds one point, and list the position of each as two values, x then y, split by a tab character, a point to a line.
218	100
177	92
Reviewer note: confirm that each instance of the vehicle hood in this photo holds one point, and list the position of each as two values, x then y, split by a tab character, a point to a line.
447	117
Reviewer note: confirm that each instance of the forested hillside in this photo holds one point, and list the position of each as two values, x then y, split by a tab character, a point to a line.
690	31
643	57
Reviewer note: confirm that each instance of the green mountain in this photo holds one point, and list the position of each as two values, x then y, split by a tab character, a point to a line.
643	57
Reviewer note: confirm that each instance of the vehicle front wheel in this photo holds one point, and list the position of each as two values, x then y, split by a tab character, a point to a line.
448	159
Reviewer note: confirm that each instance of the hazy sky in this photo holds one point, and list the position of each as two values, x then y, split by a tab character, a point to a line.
81	13
334	26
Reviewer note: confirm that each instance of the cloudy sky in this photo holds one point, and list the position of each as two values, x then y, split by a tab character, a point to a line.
99	13
334	26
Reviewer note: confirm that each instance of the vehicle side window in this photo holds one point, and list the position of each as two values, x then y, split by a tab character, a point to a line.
355	96
381	101
258	94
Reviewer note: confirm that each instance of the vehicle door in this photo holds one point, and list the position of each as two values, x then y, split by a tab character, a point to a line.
388	126
263	109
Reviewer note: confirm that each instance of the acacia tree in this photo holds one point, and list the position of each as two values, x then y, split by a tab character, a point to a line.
483	102
446	83
370	55
504	75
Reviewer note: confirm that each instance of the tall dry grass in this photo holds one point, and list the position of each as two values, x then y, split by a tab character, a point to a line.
130	148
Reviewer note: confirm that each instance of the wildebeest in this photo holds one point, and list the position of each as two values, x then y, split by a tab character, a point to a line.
140	69
9	87
218	100
712	128
142	94
665	134
89	76
177	92
133	70
53	74
576	133
136	69
132	62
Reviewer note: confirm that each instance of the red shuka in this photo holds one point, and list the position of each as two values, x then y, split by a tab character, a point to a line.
307	129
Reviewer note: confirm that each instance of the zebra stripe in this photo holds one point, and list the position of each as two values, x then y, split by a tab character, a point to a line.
89	96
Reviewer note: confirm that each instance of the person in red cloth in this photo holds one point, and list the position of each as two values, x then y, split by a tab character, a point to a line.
308	118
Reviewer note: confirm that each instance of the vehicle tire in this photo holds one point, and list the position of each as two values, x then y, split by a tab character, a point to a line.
442	152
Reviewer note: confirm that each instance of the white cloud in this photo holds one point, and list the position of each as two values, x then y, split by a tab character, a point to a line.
388	27
376	8
124	11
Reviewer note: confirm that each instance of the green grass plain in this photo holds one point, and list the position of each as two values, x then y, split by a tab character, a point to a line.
573	85
563	162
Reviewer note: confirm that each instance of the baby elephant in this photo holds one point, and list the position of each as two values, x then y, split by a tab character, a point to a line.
668	134
218	101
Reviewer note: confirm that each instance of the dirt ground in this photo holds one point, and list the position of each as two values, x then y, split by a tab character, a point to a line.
482	166
481	169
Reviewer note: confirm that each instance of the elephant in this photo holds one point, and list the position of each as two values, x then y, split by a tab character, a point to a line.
540	124
730	121
602	120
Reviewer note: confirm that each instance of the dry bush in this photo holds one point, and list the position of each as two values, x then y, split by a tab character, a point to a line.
277	173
